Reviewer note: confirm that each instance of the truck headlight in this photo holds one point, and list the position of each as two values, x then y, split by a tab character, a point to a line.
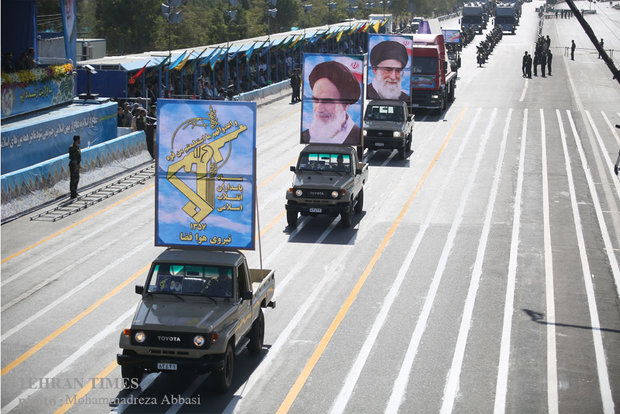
140	337
298	193
199	340
334	194
434	96
397	134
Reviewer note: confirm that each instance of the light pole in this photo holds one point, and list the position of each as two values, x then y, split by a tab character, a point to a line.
271	14
232	15
330	6
173	16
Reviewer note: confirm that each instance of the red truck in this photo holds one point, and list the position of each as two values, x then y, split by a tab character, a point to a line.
432	79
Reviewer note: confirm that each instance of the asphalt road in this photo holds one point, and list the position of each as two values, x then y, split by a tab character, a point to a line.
482	275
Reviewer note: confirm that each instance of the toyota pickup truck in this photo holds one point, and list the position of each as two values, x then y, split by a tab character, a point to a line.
198	311
329	179
388	125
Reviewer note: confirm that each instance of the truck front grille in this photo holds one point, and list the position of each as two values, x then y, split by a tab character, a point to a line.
161	339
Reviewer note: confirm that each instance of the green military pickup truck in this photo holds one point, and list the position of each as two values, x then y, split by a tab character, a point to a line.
388	125
329	179
198	310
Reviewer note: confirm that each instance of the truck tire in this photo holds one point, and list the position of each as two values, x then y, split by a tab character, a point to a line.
409	139
257	335
223	378
132	375
402	151
346	216
360	202
291	218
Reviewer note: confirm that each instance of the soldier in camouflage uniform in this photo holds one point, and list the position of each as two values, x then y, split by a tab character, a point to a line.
75	158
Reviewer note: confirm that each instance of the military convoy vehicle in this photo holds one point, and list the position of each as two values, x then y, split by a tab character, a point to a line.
198	310
329	179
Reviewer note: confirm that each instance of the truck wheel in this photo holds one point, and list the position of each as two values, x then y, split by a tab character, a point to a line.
291	218
409	139
360	202
345	217
257	335
132	375
402	151
223	378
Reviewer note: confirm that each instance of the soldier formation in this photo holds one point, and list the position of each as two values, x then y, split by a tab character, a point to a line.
485	48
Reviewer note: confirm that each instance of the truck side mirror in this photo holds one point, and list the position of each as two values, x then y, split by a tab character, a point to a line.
247	295
292	168
139	289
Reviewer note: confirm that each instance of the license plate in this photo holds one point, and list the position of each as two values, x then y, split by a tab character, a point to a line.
379	144
316	210
166	366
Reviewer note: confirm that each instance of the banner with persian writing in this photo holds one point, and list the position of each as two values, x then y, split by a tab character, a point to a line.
206	170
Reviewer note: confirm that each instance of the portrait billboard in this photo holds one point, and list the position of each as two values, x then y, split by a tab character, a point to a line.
206	169
332	99
389	67
451	36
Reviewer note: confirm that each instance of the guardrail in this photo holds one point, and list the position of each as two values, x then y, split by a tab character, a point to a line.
39	180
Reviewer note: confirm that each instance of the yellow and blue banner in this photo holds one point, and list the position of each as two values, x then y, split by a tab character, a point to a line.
206	174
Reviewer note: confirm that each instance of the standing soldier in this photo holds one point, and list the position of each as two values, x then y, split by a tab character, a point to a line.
543	62
602	45
524	64
75	158
529	66
549	58
572	50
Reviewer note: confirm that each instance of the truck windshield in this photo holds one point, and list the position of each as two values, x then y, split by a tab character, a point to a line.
424	65
314	161
504	19
471	19
384	113
183	279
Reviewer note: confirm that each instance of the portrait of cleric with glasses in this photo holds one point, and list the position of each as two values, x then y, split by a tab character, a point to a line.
389	72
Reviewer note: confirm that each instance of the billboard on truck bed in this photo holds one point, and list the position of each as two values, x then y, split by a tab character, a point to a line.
389	67
332	99
206	169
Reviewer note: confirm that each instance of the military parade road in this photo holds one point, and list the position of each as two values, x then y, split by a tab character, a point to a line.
482	275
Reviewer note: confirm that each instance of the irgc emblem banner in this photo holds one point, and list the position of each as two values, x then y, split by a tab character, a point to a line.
206	171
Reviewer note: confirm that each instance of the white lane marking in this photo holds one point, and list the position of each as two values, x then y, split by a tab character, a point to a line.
57	275
451	388
191	389
608	162
73	291
402	380
339	405
524	91
609	249
300	263
264	368
552	360
599	350
144	385
612	128
64	365
49	255
504	355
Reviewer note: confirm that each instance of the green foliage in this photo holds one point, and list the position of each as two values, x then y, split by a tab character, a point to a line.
135	26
